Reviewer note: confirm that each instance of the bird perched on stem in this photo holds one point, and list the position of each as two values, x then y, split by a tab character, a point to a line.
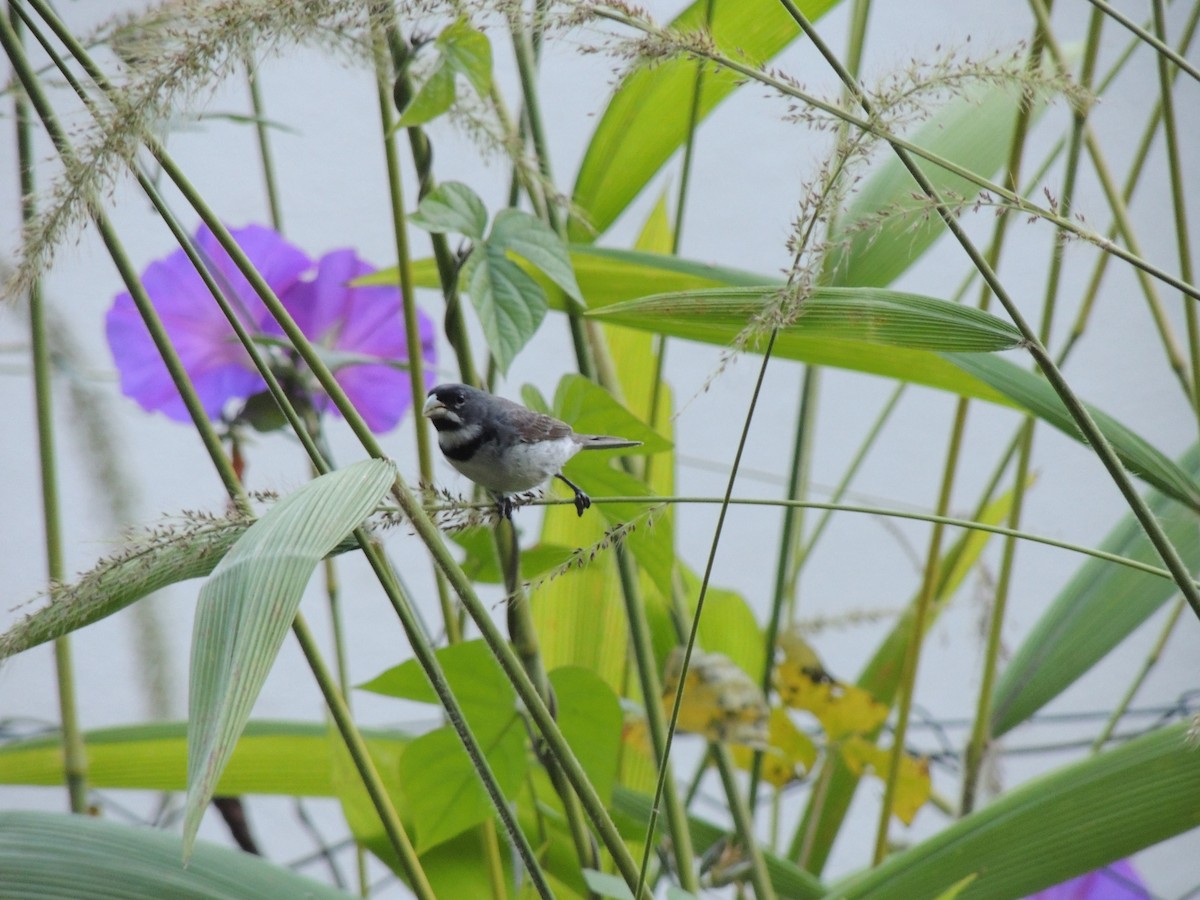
504	447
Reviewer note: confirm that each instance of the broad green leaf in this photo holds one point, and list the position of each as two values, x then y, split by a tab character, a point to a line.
534	241
608	886
590	717
450	207
647	119
270	758
728	625
445	795
432	99
482	566
1053	828
460	868
873	316
887	227
881	679
510	304
1100	606
247	606
467	51
43	855
473	673
590	409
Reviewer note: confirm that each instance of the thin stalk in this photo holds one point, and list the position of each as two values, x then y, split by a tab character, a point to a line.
791	531
1078	412
75	765
1162	48
526	68
1112	195
689	148
408	297
912	654
1178	198
418	883
1147	666
447	262
708	568
263	136
743	821
980	735
661	734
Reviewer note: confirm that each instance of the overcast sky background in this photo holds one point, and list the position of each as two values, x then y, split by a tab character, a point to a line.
749	170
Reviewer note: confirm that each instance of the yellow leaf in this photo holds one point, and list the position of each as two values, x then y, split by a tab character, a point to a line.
802	682
789	754
913	785
720	701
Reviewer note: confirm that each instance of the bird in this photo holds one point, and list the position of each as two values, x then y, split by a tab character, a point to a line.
504	447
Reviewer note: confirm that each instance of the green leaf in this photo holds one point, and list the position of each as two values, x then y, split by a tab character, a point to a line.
450	207
648	117
445	795
590	717
874	316
1053	828
55	856
467	51
727	626
532	239
590	409
1100	606
606	885
474	676
510	304
247	606
886	228
432	99
481	564
270	758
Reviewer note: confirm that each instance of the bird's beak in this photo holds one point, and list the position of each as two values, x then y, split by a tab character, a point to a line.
432	406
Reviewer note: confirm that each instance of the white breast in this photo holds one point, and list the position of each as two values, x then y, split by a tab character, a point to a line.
525	466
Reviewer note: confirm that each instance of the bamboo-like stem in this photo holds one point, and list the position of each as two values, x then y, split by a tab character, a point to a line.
1159	45
1116	202
661	734
75	766
1087	425
418	883
912	654
267	160
408	297
1178	201
743	821
1148	665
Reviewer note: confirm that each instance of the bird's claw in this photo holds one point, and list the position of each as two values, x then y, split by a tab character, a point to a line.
582	502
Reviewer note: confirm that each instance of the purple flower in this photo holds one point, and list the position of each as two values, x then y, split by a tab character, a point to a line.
219	366
358	323
1116	881
361	329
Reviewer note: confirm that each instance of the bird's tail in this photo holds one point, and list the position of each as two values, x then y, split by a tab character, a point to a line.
604	442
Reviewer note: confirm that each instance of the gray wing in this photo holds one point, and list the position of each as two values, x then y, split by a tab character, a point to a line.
533	426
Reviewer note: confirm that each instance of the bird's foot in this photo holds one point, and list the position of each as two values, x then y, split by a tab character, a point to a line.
504	506
582	501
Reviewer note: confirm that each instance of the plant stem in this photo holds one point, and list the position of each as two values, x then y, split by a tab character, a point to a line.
75	766
357	747
264	148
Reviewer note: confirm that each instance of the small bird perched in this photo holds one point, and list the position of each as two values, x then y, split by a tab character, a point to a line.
504	447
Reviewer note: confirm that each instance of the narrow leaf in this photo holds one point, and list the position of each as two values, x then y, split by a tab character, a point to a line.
1053	828
873	316
247	606
1100	606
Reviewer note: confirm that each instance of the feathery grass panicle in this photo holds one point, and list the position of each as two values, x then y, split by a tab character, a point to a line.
171	55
